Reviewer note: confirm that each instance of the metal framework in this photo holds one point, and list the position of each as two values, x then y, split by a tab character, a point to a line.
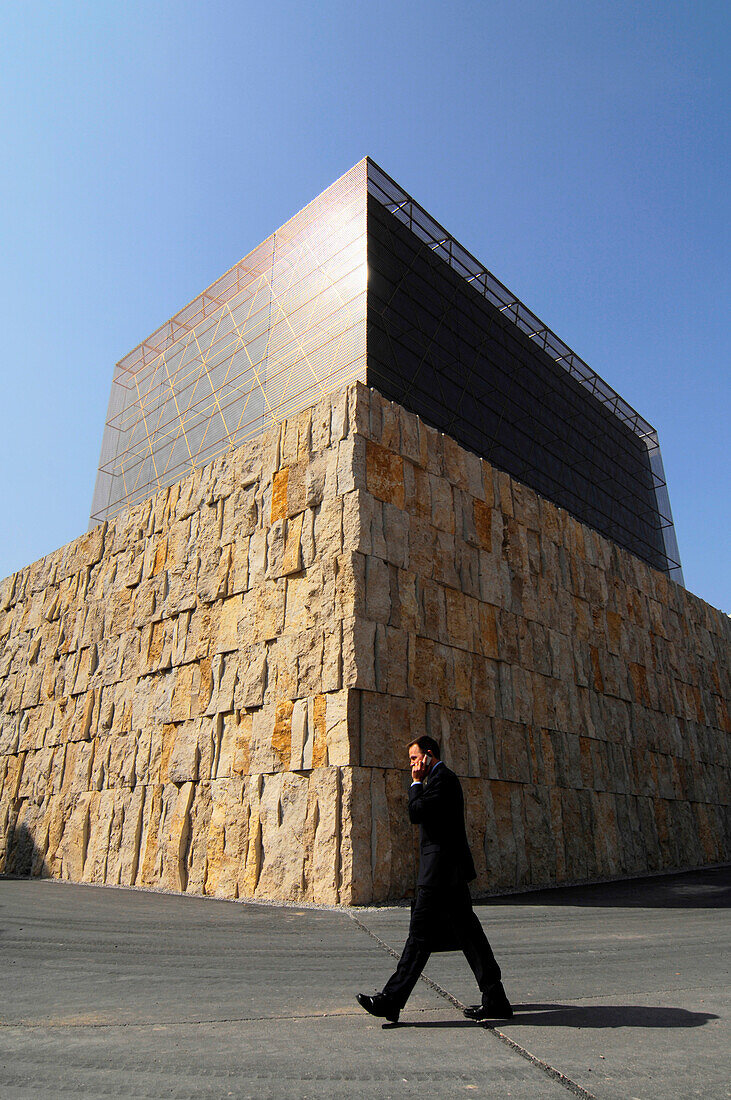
270	337
577	493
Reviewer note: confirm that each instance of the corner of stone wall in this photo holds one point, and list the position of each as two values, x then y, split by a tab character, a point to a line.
581	696
177	695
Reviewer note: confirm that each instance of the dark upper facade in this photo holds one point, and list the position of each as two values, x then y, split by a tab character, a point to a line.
449	342
364	284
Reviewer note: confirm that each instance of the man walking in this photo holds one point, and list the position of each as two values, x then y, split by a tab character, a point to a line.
442	908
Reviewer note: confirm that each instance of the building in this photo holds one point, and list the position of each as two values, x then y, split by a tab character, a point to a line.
353	493
364	285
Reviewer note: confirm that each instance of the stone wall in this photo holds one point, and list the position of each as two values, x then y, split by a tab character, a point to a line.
214	692
172	684
581	695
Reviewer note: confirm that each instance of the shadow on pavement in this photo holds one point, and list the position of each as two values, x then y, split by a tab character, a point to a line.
597	1016
557	1015
706	889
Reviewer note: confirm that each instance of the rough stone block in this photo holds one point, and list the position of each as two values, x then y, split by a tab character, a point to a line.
384	474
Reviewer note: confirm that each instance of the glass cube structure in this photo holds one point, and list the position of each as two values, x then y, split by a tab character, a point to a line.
364	284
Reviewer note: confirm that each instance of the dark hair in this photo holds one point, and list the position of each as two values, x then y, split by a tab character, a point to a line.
427	744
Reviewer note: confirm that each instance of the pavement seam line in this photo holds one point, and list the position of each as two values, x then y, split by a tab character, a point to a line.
22	1025
545	1067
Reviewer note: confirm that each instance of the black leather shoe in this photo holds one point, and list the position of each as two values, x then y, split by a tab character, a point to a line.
379	1005
495	1006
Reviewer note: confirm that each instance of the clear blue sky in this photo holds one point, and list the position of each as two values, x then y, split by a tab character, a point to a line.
580	150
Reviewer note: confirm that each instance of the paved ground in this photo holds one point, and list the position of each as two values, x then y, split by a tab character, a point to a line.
621	991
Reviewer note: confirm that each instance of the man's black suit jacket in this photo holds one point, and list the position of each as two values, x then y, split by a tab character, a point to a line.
438	809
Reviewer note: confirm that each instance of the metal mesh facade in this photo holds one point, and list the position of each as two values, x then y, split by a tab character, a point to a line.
364	264
449	341
276	332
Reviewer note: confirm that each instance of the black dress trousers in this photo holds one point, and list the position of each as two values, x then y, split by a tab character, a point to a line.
442	918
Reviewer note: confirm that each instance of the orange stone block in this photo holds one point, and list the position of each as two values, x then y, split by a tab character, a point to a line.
282	735
154	648
384	474
279	495
161	553
319	746
483	523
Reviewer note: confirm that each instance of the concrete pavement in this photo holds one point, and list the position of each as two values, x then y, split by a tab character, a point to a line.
621	990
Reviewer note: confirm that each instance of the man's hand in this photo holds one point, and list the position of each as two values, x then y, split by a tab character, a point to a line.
420	766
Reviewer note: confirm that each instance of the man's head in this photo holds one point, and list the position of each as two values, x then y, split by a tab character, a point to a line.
424	751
